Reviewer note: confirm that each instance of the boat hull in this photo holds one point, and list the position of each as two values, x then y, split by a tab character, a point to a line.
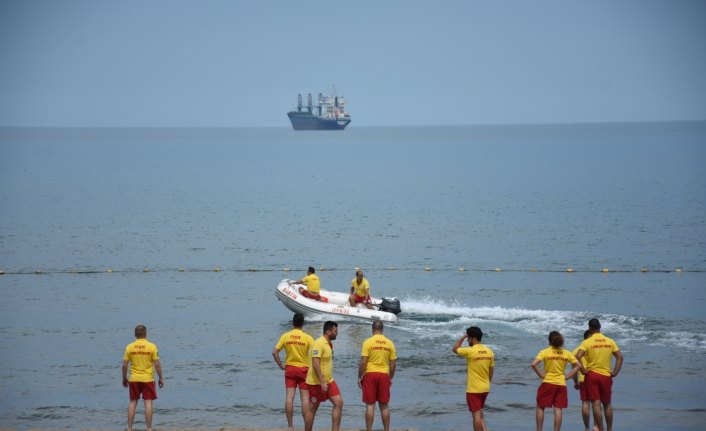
313	122
337	305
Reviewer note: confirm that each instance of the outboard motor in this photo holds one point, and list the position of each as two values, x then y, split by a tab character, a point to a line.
391	305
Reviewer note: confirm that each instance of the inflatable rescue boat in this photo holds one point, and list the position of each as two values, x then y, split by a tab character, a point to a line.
336	304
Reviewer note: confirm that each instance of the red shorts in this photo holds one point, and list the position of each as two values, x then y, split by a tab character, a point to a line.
146	389
476	401
315	296
599	387
583	391
295	377
360	299
376	387
316	395
551	395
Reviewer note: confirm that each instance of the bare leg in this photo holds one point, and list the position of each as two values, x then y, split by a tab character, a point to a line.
585	414
540	418
557	419
597	415
310	416
478	421
337	412
304	397
289	405
148	414
369	416
131	409
608	416
385	415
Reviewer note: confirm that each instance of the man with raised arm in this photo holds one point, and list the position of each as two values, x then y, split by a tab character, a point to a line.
480	362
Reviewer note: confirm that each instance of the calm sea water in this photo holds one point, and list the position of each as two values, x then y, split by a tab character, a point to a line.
217	215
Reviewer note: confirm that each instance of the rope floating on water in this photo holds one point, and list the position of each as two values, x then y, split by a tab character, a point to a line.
428	269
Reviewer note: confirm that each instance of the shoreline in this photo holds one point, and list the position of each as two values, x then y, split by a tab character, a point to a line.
211	429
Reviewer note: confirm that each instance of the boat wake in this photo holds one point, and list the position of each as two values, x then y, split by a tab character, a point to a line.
433	317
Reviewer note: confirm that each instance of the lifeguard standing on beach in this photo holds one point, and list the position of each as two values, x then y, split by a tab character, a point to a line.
143	359
297	346
598	350
480	361
320	380
552	392
580	385
378	361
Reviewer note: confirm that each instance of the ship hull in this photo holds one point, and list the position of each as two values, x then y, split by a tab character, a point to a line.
313	122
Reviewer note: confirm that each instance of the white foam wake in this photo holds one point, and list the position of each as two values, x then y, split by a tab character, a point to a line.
435	317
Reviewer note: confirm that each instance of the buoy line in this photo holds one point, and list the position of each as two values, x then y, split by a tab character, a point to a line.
426	269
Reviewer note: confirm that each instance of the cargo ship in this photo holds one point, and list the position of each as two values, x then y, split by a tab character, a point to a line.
328	114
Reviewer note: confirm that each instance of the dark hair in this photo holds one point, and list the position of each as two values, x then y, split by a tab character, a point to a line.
140	331
359	272
312	270
556	340
586	334
329	325
298	320
594	325
377	325
474	332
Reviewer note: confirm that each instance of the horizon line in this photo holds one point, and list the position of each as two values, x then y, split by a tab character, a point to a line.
567	123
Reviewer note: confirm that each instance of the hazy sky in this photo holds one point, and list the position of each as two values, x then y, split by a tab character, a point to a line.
401	62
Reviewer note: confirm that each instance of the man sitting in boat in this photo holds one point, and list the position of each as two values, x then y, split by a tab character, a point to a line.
312	283
360	291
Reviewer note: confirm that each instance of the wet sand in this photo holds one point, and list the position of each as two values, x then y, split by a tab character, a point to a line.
217	429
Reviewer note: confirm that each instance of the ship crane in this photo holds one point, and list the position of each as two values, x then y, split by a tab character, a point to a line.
329	113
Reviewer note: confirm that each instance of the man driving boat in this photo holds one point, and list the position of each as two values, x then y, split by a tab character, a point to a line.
360	291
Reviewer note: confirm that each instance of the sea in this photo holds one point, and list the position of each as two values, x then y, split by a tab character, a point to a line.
517	229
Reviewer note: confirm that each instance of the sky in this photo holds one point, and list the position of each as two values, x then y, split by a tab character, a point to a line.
211	63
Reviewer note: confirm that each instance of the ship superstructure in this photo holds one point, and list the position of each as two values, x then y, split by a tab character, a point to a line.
328	114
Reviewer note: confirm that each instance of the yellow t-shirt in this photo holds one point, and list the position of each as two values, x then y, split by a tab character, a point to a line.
313	284
379	351
141	355
296	344
479	359
359	289
583	362
599	349
554	362
323	350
